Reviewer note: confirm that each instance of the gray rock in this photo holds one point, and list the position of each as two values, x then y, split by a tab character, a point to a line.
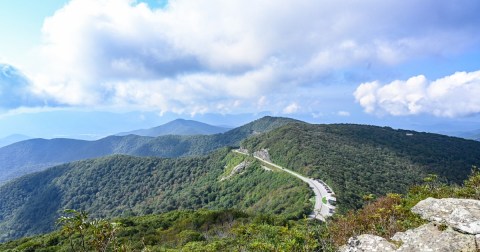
477	240
461	214
263	154
429	237
367	243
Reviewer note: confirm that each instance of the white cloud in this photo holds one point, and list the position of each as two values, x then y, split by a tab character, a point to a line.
343	113
451	96
200	56
291	108
15	89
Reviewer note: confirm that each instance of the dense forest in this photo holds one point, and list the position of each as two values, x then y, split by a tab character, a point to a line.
126	186
37	154
358	160
233	230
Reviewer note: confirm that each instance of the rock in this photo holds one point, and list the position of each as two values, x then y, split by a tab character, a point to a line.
367	243
477	240
237	169
454	226
462	215
263	154
429	237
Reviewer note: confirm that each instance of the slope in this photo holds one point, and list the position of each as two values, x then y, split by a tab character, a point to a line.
124	185
358	160
37	154
178	127
233	230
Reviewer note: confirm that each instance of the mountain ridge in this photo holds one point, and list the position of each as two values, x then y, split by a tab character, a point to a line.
37	154
358	160
178	127
120	185
355	160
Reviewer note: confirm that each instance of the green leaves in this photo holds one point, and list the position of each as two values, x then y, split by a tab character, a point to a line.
360	160
84	235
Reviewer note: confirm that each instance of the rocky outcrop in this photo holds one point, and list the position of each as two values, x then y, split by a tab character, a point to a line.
263	154
454	226
462	215
366	243
432	237
237	169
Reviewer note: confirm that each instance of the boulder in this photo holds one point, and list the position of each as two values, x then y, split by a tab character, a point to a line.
462	215
367	243
454	226
434	237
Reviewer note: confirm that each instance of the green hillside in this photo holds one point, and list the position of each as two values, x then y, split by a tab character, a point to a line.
233	230
201	230
37	154
125	185
357	160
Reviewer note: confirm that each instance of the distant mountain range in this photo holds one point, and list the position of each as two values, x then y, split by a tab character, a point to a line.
473	134
355	160
178	127
37	154
13	139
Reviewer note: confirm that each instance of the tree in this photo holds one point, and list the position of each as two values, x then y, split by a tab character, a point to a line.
100	233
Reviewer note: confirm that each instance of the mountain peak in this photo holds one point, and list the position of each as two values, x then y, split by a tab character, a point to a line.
178	127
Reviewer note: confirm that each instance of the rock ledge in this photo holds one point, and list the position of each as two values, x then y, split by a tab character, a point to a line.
461	217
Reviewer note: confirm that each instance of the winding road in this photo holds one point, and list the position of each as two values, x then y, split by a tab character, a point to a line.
320	211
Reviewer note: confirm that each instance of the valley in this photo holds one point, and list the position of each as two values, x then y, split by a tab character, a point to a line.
303	162
239	126
38	154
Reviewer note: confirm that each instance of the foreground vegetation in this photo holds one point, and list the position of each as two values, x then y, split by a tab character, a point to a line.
355	160
201	230
233	230
127	186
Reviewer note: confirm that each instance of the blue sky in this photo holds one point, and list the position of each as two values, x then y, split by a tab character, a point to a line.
121	64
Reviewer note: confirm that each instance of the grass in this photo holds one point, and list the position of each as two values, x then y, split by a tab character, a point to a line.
324	200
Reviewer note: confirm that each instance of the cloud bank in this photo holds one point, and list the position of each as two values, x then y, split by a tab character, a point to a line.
451	96
15	89
224	56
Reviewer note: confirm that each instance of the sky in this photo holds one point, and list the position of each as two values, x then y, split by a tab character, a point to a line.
96	67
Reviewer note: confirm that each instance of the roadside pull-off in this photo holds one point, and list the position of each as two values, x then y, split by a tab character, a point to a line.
324	196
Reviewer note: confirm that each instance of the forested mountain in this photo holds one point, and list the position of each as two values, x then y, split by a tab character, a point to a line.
125	185
37	154
358	160
178	127
234	230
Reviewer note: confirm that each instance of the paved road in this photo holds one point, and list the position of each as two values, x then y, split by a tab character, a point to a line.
320	210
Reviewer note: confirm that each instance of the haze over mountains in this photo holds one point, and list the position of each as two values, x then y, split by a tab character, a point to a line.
37	154
178	127
473	134
354	160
